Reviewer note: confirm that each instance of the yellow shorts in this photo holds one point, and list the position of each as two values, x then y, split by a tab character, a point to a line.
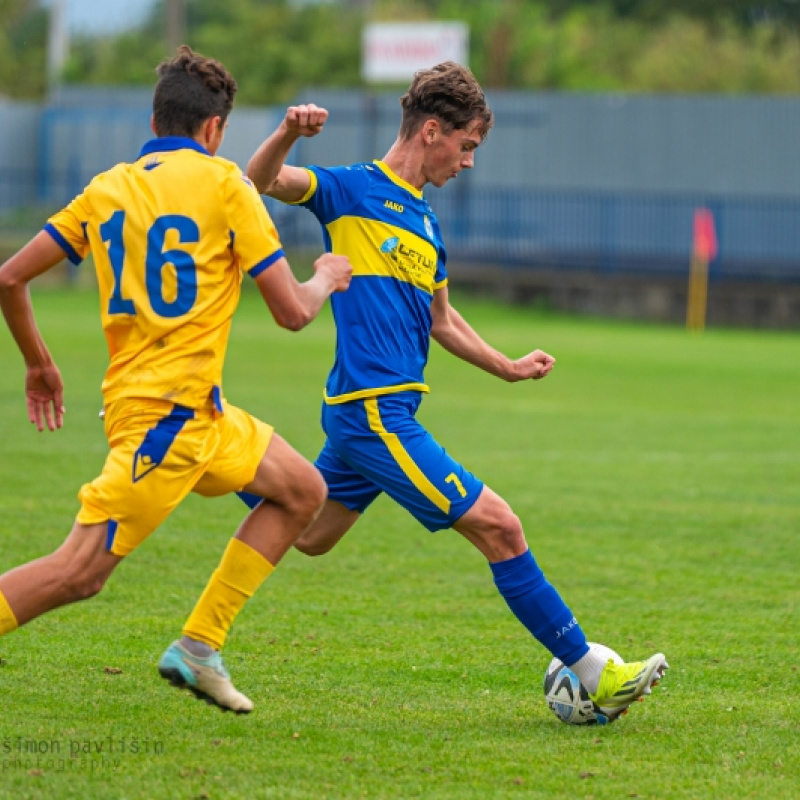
159	453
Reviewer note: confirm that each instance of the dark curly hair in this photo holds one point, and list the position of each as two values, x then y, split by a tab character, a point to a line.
191	88
449	93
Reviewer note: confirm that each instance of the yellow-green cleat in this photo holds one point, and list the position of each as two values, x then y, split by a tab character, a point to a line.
623	684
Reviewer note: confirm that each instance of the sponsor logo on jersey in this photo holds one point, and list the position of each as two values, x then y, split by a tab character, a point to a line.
391	205
407	260
390	247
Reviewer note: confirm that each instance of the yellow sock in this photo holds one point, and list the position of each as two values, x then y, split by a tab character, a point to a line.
8	622
241	571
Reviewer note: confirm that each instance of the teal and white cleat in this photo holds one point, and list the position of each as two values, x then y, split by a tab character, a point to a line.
207	678
623	684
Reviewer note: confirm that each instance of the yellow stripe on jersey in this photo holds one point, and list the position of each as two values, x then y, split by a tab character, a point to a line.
403	459
312	187
378	249
362	393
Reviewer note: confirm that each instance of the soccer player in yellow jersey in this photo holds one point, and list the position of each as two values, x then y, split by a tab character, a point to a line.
398	300
171	235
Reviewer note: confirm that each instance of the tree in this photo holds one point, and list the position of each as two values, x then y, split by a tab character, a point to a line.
272	48
23	49
275	48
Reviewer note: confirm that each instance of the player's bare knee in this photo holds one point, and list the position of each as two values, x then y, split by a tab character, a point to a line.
506	534
311	546
92	587
81	586
308	501
319	493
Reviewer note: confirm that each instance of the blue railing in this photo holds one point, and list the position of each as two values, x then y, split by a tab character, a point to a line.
620	233
647	234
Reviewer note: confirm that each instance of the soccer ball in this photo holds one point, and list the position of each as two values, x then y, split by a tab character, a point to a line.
567	696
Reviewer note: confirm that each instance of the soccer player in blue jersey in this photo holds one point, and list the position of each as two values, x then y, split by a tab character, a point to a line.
172	234
375	213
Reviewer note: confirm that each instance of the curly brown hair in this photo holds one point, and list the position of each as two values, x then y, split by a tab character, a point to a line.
448	92
191	88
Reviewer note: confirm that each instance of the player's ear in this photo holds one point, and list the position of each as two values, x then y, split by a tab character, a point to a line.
212	132
153	124
430	130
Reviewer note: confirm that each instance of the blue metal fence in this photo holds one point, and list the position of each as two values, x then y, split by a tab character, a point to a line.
609	233
495	214
759	239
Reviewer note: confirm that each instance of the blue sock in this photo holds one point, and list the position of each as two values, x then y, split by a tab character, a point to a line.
539	607
249	499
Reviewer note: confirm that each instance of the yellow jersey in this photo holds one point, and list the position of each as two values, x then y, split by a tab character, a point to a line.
171	235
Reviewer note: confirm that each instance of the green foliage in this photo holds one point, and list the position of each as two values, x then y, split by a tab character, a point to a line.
590	47
23	50
272	49
656	475
274	52
275	48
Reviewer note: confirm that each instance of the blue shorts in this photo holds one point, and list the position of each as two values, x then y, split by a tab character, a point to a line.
376	445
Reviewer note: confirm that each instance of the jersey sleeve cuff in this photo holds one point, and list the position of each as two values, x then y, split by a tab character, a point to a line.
72	254
255	271
312	187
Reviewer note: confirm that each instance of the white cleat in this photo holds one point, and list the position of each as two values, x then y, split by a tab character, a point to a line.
206	678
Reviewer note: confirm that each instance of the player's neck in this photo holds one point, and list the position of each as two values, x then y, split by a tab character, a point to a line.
406	162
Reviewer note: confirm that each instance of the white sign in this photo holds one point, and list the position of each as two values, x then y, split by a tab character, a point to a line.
394	51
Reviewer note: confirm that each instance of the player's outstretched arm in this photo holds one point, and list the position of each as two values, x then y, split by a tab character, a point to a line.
294	304
458	337
267	167
44	389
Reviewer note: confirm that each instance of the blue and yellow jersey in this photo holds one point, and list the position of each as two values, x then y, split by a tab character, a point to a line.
392	238
171	235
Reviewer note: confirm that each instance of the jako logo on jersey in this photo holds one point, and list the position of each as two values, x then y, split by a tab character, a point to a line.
152	163
567	628
393	206
428	226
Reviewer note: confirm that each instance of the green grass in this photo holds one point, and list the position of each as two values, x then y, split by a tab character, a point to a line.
657	475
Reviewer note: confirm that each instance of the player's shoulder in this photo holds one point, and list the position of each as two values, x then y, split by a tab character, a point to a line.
344	169
361	172
224	166
112	173
230	171
367	167
368	170
111	180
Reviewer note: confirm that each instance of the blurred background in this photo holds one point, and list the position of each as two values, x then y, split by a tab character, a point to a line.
644	161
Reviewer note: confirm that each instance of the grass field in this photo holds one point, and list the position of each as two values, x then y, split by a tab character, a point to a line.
658	478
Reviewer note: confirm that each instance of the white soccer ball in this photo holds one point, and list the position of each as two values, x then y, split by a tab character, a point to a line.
568	698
